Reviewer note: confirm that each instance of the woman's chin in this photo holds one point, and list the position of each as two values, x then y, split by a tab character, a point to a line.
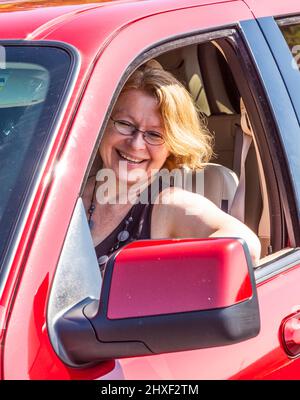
132	176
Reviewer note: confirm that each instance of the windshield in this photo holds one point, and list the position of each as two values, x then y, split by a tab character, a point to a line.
32	82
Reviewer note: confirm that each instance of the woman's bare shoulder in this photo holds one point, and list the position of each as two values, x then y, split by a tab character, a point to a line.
178	197
173	208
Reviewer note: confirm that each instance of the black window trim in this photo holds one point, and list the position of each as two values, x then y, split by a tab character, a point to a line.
75	62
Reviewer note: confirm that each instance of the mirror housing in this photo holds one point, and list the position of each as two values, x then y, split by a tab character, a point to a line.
161	296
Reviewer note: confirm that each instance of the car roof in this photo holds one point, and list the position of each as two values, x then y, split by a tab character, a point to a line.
33	18
86	25
60	20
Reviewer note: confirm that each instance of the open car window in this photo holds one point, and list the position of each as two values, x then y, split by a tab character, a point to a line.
213	75
217	81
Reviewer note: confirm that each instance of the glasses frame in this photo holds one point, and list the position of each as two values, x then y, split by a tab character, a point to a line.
115	121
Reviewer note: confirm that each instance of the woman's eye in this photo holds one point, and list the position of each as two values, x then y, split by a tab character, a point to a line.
125	123
155	135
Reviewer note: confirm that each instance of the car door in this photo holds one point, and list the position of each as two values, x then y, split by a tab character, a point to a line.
28	324
282	34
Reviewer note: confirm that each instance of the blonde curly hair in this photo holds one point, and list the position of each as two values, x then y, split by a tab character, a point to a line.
186	135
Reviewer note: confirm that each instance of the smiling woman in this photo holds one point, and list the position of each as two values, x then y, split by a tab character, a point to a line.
154	126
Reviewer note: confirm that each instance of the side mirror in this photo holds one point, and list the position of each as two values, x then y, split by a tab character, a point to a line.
163	296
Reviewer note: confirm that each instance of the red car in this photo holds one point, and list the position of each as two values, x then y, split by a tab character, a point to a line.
165	309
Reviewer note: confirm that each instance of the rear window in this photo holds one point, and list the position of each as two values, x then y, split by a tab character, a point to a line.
32	84
291	34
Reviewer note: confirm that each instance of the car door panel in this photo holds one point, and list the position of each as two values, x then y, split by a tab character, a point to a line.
262	357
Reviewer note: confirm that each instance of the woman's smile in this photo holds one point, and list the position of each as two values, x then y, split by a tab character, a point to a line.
131	159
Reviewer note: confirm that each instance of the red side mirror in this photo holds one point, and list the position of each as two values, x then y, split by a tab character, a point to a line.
163	296
171	276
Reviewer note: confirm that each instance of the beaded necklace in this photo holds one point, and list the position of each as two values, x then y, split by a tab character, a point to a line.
122	236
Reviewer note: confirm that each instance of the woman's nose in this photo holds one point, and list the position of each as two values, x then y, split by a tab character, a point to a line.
137	140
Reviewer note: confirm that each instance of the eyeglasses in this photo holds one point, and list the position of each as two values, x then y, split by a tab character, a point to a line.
127	129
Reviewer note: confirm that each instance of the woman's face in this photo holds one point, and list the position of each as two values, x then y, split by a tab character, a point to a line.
131	157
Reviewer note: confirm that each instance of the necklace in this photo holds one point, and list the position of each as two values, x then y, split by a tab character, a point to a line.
122	236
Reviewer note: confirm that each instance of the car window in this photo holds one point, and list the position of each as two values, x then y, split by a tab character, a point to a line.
32	80
291	34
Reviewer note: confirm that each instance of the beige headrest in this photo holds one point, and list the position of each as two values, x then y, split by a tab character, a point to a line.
216	182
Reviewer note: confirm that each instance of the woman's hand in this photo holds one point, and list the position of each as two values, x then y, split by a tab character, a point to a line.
183	214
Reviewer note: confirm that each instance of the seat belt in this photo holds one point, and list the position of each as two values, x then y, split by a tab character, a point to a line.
244	140
242	145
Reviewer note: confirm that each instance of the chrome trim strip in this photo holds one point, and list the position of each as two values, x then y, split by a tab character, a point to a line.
277	266
285	21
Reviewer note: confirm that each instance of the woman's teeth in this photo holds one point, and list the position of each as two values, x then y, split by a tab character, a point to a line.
130	159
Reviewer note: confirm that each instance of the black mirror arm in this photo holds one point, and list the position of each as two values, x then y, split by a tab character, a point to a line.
79	345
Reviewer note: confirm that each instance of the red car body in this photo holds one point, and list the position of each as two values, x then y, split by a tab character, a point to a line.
107	37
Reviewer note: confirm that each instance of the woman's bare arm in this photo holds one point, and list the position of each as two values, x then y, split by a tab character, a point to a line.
182	214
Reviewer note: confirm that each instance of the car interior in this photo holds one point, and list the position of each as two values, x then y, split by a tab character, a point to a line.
204	71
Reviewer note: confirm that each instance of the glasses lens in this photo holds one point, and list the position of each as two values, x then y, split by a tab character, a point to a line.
153	138
125	128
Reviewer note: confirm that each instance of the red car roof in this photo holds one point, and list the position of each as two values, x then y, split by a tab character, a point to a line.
88	25
36	19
